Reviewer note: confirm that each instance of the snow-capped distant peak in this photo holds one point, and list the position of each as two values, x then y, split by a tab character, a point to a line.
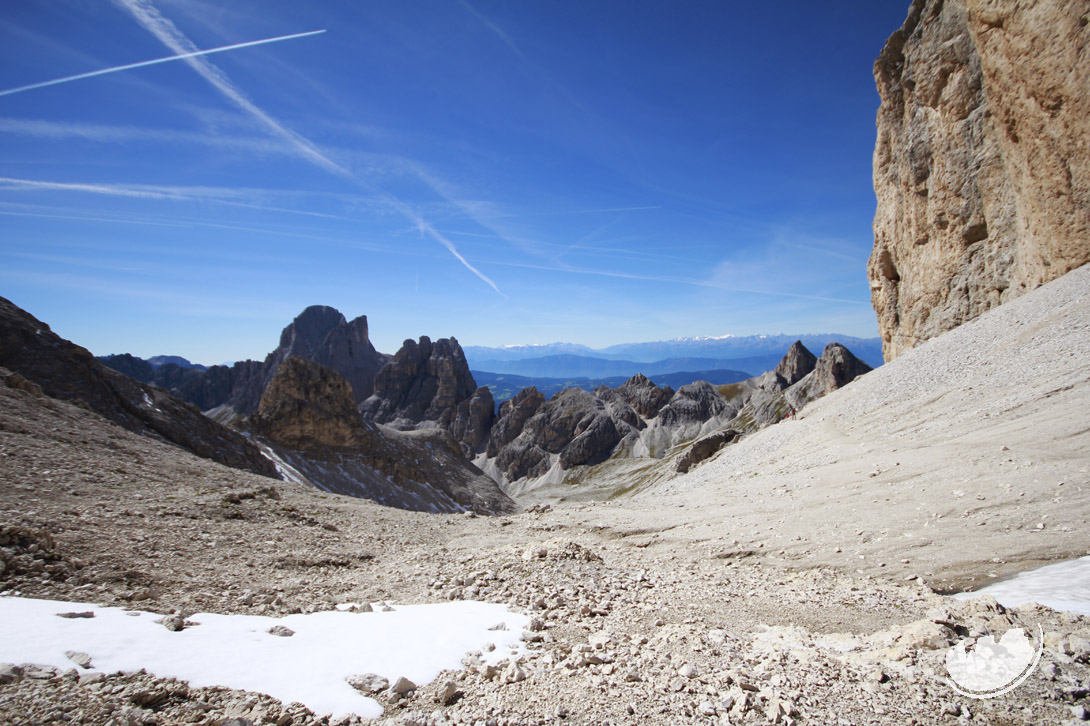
703	338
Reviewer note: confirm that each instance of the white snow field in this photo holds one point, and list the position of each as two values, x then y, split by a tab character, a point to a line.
237	651
1061	586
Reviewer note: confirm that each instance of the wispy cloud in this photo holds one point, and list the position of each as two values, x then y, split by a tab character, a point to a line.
205	305
162	28
609	209
156	61
717	283
237	197
117	134
168	34
508	41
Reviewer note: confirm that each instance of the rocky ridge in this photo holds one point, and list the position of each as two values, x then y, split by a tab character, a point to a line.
554	448
319	333
428	385
980	167
63	370
308	416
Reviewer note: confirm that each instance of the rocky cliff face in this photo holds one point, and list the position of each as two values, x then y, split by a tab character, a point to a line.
428	385
308	413
307	405
512	418
68	372
573	427
981	166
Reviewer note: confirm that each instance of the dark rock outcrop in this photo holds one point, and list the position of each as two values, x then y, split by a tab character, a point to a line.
574	425
68	372
704	449
512	418
320	334
428	385
836	368
694	403
981	168
133	367
472	421
309	414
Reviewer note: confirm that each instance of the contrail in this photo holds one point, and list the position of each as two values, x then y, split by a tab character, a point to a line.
167	59
162	28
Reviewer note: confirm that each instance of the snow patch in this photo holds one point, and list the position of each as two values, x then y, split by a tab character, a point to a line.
1062	586
237	651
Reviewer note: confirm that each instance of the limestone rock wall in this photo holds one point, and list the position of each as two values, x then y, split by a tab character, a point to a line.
981	166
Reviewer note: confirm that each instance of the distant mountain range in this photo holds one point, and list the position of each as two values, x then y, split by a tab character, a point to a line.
754	353
507	385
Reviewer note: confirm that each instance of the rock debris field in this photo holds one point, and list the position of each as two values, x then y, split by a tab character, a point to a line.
796	577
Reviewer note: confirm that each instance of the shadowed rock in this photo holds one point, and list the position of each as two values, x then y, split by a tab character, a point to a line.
428	385
704	448
512	418
68	372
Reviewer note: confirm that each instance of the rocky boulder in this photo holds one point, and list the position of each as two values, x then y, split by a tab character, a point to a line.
981	168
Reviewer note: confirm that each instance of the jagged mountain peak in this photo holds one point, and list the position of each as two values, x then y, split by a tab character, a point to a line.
796	363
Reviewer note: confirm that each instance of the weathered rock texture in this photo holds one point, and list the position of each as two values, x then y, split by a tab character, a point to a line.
644	396
309	415
982	166
310	406
65	371
428	385
512	418
573	427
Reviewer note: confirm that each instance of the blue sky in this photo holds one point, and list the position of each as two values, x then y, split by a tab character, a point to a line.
504	172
